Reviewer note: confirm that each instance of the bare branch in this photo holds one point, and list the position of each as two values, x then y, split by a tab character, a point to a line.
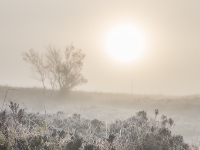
37	65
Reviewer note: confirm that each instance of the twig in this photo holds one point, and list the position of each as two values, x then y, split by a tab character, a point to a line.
5	98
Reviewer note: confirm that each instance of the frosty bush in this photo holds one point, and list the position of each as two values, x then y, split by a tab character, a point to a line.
20	130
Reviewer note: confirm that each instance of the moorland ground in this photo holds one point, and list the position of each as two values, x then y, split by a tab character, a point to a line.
184	110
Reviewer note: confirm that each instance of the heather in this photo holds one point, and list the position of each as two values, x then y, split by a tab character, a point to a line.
23	130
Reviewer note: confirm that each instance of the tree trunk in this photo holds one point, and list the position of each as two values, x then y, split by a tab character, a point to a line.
63	93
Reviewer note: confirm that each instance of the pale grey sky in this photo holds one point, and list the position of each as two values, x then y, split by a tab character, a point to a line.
170	63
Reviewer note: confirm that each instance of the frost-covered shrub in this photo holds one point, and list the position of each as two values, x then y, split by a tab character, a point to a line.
28	131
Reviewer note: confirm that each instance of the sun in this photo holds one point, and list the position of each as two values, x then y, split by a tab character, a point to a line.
125	43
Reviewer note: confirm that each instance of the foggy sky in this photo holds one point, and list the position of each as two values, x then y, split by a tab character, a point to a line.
170	64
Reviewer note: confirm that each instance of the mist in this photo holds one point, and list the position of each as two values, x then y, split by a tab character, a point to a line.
113	93
169	65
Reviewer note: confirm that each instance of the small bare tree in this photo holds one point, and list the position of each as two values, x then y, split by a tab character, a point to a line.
61	70
53	60
37	65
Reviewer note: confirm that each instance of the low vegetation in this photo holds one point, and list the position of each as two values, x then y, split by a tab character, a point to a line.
21	130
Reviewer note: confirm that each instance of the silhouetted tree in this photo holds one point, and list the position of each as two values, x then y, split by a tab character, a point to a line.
62	71
37	65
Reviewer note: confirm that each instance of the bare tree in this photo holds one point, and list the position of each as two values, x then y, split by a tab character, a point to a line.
63	71
37	65
53	60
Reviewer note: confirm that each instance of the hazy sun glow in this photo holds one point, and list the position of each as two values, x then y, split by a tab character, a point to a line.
125	43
